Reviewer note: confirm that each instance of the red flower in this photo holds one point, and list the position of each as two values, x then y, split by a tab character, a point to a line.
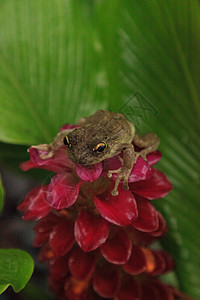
96	244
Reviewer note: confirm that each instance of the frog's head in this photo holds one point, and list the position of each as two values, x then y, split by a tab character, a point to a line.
86	147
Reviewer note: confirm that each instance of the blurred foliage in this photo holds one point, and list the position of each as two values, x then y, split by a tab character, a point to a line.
1	195
61	60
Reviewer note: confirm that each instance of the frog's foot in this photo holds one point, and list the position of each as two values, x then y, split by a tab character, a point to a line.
46	148
109	174
143	154
123	174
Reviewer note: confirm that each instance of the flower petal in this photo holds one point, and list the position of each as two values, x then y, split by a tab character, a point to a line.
163	293
62	191
154	157
43	229
160	264
130	289
35	205
147	216
157	186
120	209
117	249
56	285
58	267
58	163
89	173
136	263
149	292
169	262
46	253
106	281
61	238
81	264
68	126
76	289
162	228
90	230
141	169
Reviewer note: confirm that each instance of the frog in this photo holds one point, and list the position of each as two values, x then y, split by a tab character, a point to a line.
101	136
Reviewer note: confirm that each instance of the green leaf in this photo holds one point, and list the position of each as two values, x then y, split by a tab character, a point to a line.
1	195
50	70
154	50
16	267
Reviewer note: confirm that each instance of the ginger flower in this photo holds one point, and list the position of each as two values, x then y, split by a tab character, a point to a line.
98	246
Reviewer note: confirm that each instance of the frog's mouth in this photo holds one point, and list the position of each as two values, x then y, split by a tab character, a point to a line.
84	160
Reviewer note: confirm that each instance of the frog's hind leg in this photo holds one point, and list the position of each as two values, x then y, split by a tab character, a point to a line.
149	142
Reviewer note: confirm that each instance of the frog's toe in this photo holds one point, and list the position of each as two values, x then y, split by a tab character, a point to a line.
114	192
109	174
142	154
125	186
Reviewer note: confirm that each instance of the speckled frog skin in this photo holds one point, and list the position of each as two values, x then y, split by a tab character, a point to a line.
111	131
104	135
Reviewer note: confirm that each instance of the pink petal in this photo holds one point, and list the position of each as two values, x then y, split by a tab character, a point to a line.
41	238
119	210
136	263
111	164
157	186
62	191
154	157
43	229
89	173
35	205
91	230
162	228
61	238
147	216
27	165
81	264
106	281
141	170
130	289
117	249
58	163
68	126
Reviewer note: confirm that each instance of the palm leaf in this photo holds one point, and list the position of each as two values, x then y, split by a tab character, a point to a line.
155	75
47	54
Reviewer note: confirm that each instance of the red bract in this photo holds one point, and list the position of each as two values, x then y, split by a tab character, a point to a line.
95	243
91	230
35	204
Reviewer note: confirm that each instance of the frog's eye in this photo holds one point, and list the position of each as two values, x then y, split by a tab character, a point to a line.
99	147
66	142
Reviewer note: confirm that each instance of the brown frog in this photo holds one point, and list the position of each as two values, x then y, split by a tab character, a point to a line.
101	136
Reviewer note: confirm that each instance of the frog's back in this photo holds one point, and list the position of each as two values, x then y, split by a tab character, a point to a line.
111	125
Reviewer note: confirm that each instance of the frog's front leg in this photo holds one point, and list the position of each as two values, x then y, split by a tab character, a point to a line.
53	146
129	158
149	142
